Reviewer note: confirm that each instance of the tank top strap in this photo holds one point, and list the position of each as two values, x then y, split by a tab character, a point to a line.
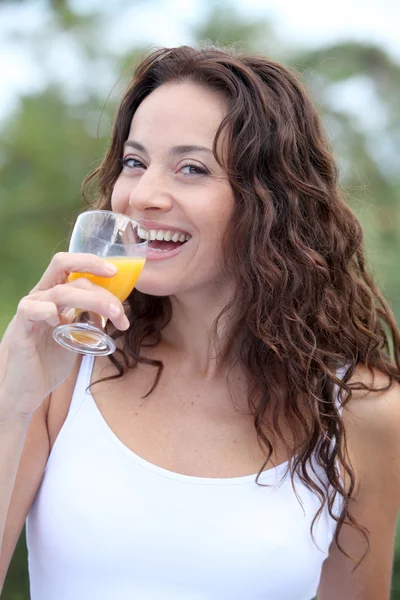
79	396
81	385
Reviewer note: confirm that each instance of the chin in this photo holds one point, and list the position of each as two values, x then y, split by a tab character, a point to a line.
155	289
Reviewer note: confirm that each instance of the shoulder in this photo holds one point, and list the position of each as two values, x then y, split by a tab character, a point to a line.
372	425
375	412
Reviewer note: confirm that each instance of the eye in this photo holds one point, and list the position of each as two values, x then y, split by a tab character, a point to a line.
131	163
193	169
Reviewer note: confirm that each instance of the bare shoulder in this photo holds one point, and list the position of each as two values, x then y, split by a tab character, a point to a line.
375	411
372	425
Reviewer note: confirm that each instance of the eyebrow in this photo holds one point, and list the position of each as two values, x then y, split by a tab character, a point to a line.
175	151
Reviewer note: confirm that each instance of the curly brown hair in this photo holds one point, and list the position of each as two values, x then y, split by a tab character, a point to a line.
305	304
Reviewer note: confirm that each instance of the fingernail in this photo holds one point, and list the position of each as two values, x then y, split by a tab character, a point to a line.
125	322
114	310
110	267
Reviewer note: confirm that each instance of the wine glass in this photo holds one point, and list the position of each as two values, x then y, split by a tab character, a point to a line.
115	237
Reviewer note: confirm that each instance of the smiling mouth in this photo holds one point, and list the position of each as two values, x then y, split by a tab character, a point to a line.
164	241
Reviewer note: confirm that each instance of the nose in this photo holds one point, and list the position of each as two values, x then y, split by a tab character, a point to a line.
151	192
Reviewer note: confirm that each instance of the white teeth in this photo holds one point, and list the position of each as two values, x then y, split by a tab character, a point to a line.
143	234
162	234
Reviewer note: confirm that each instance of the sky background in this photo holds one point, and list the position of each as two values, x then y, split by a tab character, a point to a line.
310	22
305	23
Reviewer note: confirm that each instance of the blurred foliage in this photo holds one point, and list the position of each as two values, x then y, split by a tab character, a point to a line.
53	138
42	171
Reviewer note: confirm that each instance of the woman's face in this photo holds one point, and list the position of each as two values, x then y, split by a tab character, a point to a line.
171	182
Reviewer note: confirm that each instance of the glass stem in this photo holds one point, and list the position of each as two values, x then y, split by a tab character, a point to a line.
90	318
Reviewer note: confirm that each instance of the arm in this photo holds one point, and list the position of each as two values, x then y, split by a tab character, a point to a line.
24	448
12	437
32	368
41	434
372	423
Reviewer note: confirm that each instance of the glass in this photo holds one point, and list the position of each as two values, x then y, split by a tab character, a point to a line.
114	237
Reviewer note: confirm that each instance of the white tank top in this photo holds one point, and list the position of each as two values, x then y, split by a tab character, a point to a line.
107	524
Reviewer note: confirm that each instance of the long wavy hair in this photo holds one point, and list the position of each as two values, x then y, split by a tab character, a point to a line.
305	304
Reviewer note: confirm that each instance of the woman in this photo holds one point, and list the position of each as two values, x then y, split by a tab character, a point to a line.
259	346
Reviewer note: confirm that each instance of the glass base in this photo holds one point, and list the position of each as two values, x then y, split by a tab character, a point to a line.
84	338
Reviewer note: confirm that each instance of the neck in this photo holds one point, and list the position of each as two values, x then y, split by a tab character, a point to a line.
190	332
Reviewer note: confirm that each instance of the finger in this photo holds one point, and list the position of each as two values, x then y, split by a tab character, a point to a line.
86	295
67	315
33	311
64	263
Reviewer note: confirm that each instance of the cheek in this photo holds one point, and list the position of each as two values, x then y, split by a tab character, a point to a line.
117	206
209	252
217	216
119	199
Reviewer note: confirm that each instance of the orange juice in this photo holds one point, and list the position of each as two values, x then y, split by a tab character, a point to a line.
121	284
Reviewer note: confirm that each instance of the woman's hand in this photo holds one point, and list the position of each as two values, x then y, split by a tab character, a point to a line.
32	364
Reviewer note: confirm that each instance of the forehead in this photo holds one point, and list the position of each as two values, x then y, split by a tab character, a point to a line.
183	112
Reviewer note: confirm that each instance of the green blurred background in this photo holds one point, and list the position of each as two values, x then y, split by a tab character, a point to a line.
63	66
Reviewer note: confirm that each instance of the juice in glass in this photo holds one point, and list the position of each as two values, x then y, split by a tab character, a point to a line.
121	285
